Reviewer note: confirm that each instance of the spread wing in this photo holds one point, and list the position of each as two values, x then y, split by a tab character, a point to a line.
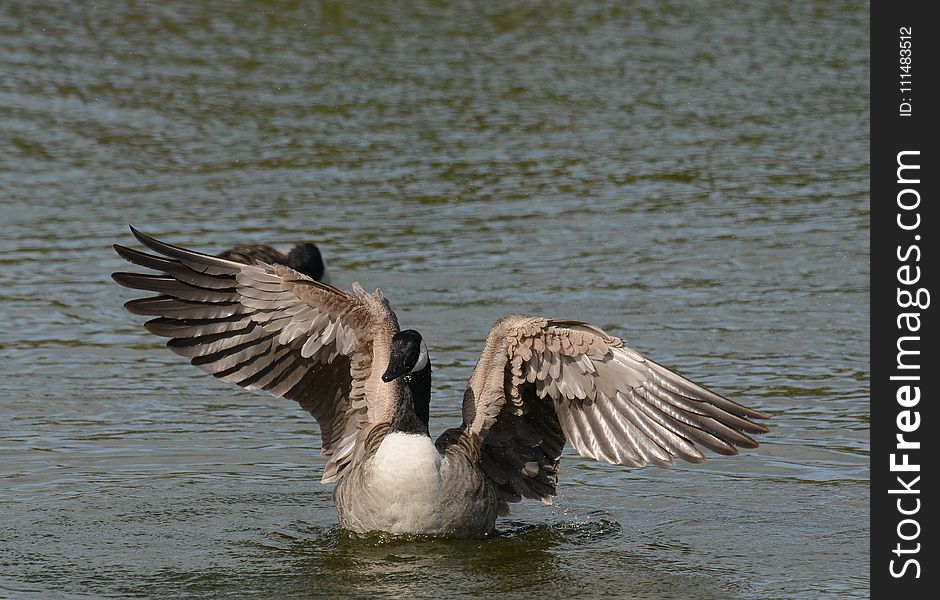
542	382
269	327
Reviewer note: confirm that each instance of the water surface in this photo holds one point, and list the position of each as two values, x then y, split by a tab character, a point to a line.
692	177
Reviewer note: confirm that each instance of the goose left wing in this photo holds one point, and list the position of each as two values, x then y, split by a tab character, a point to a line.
541	382
269	327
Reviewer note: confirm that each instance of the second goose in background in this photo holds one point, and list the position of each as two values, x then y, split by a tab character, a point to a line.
304	258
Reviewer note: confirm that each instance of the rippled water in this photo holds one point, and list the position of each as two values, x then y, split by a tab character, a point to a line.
692	177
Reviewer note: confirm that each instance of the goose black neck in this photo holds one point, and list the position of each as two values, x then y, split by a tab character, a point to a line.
414	412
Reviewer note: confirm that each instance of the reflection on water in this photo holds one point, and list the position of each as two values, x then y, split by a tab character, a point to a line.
690	176
327	562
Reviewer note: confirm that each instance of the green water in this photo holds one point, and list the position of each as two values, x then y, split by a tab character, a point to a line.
691	176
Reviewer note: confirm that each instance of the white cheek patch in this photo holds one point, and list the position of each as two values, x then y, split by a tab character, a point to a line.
422	359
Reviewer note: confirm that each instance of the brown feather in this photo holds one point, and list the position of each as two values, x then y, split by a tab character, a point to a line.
269	327
549	382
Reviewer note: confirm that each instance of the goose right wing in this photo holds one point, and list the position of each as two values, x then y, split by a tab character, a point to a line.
269	327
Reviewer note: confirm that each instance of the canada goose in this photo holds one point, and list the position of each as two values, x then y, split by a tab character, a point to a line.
538	384
304	258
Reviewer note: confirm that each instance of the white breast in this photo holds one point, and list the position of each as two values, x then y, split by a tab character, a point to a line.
406	475
404	456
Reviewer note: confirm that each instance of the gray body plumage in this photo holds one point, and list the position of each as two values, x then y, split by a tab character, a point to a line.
539	383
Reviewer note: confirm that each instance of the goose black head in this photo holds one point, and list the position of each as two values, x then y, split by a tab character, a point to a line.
409	361
305	258
409	355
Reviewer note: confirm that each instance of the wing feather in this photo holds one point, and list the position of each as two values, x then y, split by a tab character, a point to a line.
268	327
540	383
